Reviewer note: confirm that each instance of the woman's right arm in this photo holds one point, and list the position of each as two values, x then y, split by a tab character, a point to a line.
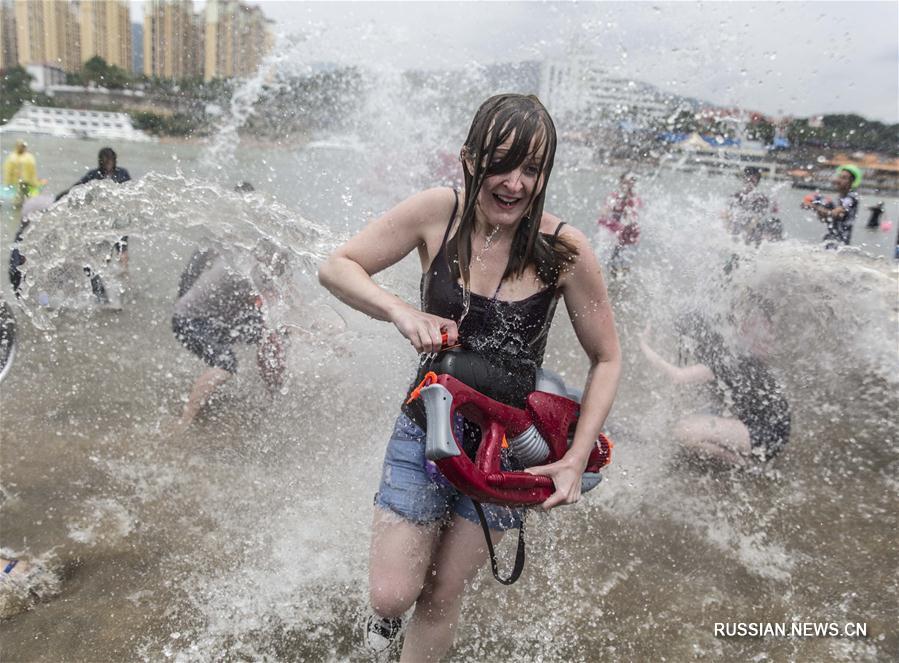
385	241
678	374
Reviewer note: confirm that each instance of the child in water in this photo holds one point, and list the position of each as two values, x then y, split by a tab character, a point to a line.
494	265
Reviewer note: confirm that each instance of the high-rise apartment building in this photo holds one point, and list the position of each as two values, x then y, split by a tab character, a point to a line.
9	52
173	45
47	32
137	48
579	86
106	31
227	39
237	38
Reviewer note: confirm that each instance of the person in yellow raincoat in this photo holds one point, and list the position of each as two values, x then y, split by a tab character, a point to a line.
20	172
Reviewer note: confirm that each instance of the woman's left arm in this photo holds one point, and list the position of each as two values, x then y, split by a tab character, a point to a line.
588	305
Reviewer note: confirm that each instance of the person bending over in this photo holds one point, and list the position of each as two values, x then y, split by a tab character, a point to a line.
218	307
752	419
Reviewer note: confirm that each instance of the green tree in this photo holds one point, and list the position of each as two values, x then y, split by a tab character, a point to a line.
683	122
762	131
95	70
846	132
149	122
75	78
98	71
178	124
15	89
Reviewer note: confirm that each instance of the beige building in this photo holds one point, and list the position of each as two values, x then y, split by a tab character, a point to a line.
237	38
106	31
228	39
47	32
9	53
173	44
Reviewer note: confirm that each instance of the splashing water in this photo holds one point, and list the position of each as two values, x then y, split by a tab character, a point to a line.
221	150
247	539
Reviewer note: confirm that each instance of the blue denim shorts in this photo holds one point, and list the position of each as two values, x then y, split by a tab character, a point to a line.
408	490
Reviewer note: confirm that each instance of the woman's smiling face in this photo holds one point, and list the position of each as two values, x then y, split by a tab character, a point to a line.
505	197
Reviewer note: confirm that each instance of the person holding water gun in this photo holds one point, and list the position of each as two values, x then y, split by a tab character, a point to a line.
839	214
494	265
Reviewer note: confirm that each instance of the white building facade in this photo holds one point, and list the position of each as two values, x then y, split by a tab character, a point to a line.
578	86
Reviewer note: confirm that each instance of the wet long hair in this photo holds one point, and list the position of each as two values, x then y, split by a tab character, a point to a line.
497	119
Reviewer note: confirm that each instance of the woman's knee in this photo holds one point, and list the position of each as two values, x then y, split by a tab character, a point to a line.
392	598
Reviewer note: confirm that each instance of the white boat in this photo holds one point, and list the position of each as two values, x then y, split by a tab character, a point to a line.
72	123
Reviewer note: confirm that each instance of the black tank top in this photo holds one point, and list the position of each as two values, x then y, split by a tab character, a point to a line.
511	335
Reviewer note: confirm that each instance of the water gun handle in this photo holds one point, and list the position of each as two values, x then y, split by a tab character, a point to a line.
444	343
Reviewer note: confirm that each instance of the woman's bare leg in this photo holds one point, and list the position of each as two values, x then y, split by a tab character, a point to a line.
718	437
460	553
400	556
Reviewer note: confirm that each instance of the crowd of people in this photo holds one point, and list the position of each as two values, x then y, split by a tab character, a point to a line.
494	266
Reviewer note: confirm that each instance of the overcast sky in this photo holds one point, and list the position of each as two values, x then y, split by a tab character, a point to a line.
797	58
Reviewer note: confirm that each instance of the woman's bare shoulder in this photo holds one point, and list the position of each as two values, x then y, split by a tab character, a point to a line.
434	202
550	224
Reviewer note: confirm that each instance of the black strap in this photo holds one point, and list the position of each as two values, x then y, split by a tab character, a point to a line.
552	242
519	554
452	218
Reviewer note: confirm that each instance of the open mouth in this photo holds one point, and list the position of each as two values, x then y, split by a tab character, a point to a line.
506	202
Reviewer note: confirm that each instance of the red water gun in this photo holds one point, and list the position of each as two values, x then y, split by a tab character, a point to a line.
537	434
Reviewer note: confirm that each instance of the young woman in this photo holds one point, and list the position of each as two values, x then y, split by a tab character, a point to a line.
494	265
